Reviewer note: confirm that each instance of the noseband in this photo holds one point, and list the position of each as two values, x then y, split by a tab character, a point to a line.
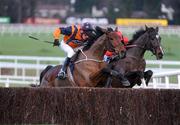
146	46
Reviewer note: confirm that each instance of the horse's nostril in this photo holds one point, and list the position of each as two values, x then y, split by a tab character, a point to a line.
160	55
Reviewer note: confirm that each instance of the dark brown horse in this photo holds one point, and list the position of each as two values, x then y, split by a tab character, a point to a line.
133	66
87	63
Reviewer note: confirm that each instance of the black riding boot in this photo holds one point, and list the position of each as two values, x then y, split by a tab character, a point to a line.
62	73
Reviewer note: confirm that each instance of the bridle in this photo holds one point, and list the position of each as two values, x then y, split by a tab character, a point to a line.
147	47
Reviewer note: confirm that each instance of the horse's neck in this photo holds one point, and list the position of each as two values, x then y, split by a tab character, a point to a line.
139	50
97	49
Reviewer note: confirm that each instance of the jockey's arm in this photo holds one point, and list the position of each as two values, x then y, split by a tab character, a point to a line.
62	30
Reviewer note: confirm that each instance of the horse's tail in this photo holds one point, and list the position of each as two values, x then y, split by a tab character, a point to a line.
44	72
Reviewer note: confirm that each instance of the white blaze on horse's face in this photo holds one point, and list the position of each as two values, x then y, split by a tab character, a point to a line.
162	50
157	36
159	51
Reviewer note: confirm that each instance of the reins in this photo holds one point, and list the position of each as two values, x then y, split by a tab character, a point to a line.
87	59
135	45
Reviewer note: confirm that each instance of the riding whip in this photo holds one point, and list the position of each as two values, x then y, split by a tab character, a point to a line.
35	38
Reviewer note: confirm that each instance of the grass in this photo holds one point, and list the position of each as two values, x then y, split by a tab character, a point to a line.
24	46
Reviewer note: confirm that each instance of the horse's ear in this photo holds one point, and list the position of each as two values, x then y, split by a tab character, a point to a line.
157	29
146	27
101	30
116	29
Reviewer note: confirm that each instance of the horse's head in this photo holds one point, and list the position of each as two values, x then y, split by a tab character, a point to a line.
114	43
154	42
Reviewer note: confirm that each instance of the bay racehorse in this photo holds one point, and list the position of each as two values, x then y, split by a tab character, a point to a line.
133	65
86	63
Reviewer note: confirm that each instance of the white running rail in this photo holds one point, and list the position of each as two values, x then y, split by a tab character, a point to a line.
6	80
168	79
19	68
21	29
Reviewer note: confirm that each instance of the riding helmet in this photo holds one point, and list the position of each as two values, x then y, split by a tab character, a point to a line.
88	29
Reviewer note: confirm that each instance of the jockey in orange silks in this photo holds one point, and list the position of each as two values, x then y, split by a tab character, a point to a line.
74	36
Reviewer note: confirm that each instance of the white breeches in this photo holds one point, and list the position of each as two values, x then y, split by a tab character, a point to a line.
67	49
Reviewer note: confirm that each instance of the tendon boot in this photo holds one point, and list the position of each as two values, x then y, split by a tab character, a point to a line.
62	73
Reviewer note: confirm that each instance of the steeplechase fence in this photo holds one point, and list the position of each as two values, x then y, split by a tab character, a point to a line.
89	106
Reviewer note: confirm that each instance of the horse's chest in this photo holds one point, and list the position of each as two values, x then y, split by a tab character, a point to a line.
136	65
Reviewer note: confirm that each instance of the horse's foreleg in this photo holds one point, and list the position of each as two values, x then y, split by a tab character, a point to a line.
143	82
147	76
121	77
135	77
109	81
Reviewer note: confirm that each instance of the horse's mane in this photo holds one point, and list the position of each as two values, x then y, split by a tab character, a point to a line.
136	35
90	42
98	32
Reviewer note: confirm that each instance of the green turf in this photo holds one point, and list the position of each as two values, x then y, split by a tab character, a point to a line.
22	45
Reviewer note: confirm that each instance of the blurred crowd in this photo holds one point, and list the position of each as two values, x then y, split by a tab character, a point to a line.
94	11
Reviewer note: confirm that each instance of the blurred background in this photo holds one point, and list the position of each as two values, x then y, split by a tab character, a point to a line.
23	59
71	11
